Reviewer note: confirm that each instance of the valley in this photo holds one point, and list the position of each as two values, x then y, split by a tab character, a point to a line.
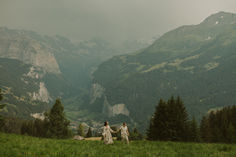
98	81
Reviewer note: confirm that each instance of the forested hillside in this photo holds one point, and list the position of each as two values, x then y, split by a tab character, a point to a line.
194	62
36	69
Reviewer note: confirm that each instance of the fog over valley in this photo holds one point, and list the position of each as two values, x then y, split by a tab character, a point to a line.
112	20
162	69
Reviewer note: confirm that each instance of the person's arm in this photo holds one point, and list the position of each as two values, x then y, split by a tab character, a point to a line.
117	130
127	131
112	131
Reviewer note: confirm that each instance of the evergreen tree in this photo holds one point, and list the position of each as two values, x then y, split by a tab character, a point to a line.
28	128
80	130
162	122
89	133
1	107
58	124
205	131
1	95
169	122
230	134
219	126
181	120
216	127
2	122
233	116
158	124
24	128
194	134
40	129
31	128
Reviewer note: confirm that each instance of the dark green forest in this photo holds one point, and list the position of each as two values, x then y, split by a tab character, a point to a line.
170	122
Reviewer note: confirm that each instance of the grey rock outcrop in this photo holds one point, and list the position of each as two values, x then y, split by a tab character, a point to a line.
19	45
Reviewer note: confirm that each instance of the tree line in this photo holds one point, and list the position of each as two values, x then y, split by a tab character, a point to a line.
219	126
54	124
1	107
170	122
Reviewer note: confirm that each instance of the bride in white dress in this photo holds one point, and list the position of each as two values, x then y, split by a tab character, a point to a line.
106	133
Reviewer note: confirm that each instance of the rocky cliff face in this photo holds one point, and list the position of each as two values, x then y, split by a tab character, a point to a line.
108	109
30	70
21	46
42	94
97	91
24	88
36	69
114	109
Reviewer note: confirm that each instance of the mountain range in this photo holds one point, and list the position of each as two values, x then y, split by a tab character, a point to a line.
98	81
195	62
36	69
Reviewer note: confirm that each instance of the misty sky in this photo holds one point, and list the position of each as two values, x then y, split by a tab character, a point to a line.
114	20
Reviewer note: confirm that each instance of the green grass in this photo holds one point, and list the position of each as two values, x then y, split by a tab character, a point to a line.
24	146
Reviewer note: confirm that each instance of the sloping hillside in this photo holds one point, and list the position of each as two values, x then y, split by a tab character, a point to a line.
195	62
56	66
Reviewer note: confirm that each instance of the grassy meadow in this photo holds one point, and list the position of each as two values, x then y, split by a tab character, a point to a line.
12	145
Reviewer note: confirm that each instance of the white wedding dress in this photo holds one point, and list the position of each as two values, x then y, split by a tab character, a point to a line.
106	133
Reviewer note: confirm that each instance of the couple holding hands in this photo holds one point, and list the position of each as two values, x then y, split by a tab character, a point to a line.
107	137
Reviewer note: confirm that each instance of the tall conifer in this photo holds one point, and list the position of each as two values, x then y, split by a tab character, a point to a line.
194	134
169	122
1	107
58	124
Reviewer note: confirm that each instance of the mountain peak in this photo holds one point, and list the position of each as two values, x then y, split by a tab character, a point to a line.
220	18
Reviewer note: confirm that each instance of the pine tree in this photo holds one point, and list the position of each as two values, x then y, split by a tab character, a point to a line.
58	124
181	120
233	116
89	133
2	122
40	129
218	126
157	128
24	127
215	128
205	130
194	135
28	128
172	120
80	130
1	95
230	134
169	122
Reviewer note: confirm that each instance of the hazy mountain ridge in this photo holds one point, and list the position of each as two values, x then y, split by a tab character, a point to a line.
23	46
53	65
195	62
